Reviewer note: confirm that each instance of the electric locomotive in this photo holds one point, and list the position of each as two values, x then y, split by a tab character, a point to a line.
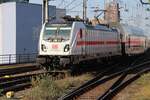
72	43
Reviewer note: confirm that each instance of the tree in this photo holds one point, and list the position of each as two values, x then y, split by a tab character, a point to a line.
147	2
1	1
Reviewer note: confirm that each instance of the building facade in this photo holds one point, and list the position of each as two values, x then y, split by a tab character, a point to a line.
20	25
112	14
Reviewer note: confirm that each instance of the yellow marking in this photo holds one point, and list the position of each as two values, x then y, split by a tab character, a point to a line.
10	94
7	76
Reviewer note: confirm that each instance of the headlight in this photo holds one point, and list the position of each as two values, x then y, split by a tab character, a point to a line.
43	47
66	48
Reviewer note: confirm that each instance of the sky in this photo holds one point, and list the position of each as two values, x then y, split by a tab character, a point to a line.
132	12
74	7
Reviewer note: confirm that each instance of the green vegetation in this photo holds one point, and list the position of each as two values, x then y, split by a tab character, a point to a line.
144	88
44	89
1	91
147	9
138	90
47	89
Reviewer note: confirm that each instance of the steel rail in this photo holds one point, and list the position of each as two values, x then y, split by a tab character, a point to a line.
100	75
123	76
100	81
18	70
17	87
10	84
115	89
91	83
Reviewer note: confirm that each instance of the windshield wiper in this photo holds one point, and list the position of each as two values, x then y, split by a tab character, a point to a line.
50	39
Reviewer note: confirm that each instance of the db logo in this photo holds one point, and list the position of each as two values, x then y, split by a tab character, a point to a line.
55	46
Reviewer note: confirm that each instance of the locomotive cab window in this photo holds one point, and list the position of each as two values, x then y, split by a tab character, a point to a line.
57	34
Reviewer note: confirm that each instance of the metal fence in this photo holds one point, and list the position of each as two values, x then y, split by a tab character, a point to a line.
17	58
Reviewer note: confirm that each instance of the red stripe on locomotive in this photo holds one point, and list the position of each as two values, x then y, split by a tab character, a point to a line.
81	43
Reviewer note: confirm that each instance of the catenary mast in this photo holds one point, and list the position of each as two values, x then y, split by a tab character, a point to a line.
45	12
84	10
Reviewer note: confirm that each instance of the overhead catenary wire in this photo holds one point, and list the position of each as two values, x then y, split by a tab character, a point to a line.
70	3
75	11
61	3
77	5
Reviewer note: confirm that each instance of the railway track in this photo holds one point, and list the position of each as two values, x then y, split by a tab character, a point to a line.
120	84
118	80
18	83
19	69
19	77
21	82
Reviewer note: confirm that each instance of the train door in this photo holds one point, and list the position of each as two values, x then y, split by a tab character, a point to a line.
129	42
122	44
82	38
85	47
146	46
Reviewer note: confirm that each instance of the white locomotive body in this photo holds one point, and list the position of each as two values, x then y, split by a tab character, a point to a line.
76	42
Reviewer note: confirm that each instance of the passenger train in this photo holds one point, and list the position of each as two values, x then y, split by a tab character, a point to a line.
76	42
